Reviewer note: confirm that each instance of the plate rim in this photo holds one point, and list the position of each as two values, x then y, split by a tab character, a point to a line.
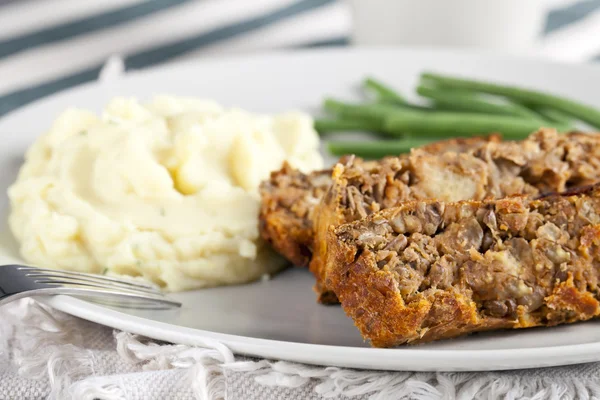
399	359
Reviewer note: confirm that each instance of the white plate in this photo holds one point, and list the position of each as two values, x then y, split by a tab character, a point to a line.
279	318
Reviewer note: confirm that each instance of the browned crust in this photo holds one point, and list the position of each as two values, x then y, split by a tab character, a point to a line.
551	291
459	145
544	162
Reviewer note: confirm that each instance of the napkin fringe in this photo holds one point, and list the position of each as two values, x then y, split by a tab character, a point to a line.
204	364
91	389
380	385
46	347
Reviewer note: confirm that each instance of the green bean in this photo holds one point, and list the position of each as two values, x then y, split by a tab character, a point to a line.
575	109
552	115
375	149
456	124
384	92
374	113
409	106
324	126
396	121
466	101
371	111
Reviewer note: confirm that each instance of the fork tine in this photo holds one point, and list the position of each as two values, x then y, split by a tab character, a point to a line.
61	279
83	274
80	283
99	290
88	278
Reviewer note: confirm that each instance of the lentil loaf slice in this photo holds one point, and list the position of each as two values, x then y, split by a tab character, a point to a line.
290	197
544	162
429	270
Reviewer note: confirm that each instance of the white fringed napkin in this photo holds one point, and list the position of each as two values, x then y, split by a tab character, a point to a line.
48	354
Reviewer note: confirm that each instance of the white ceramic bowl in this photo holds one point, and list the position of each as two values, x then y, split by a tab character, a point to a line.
506	25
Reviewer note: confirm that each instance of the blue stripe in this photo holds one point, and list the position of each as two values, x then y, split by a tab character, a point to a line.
175	49
84	25
13	100
19	98
340	41
560	18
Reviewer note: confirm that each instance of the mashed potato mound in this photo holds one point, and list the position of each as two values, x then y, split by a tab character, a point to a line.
166	190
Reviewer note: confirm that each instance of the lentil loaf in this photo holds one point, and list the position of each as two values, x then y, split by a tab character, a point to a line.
429	270
544	162
290	197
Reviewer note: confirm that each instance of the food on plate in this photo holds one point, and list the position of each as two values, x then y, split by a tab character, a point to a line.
166	190
572	108
463	101
545	162
429	270
290	196
415	282
384	92
376	149
388	119
453	107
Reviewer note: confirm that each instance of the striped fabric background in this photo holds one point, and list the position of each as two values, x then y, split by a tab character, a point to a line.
50	45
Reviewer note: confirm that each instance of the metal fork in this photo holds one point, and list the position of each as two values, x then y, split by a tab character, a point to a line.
19	281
